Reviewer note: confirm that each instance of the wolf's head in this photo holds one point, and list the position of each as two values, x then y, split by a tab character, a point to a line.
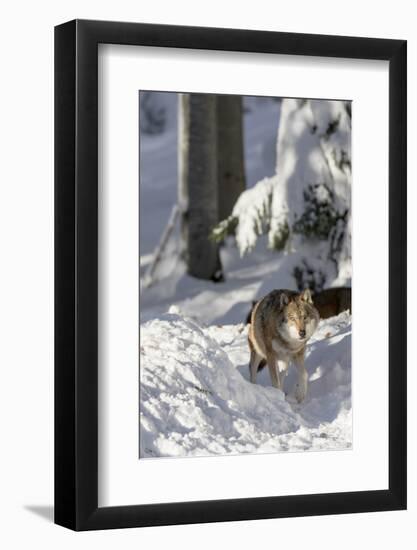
298	318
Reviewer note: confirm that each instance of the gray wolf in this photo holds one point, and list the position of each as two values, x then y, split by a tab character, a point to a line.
281	324
332	301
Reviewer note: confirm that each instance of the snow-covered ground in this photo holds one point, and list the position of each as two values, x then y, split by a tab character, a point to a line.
196	398
246	279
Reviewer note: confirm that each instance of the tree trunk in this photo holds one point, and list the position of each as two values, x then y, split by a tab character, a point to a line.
231	170
198	184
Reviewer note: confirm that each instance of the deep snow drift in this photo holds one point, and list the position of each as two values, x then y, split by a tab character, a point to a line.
196	398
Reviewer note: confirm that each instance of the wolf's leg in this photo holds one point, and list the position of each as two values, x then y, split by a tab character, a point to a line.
255	360
283	371
273	371
302	382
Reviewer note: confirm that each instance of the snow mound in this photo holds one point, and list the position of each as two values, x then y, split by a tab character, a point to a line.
196	400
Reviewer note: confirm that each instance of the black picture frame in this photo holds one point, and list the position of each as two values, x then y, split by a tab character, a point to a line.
76	272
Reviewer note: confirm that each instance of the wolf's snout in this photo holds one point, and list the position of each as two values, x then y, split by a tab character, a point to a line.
302	333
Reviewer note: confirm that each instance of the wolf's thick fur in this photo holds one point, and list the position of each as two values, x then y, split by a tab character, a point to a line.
281	324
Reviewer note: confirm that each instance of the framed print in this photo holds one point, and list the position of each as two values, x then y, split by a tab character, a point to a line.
226	203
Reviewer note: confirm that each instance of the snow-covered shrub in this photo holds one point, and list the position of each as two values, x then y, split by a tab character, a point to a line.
279	237
319	216
308	276
250	217
224	229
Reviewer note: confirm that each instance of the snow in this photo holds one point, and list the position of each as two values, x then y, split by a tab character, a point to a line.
251	207
306	154
196	398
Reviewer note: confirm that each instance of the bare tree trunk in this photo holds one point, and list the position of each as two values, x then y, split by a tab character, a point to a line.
198	184
231	170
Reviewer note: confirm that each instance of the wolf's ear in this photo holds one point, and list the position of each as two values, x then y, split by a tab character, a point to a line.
283	300
306	296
